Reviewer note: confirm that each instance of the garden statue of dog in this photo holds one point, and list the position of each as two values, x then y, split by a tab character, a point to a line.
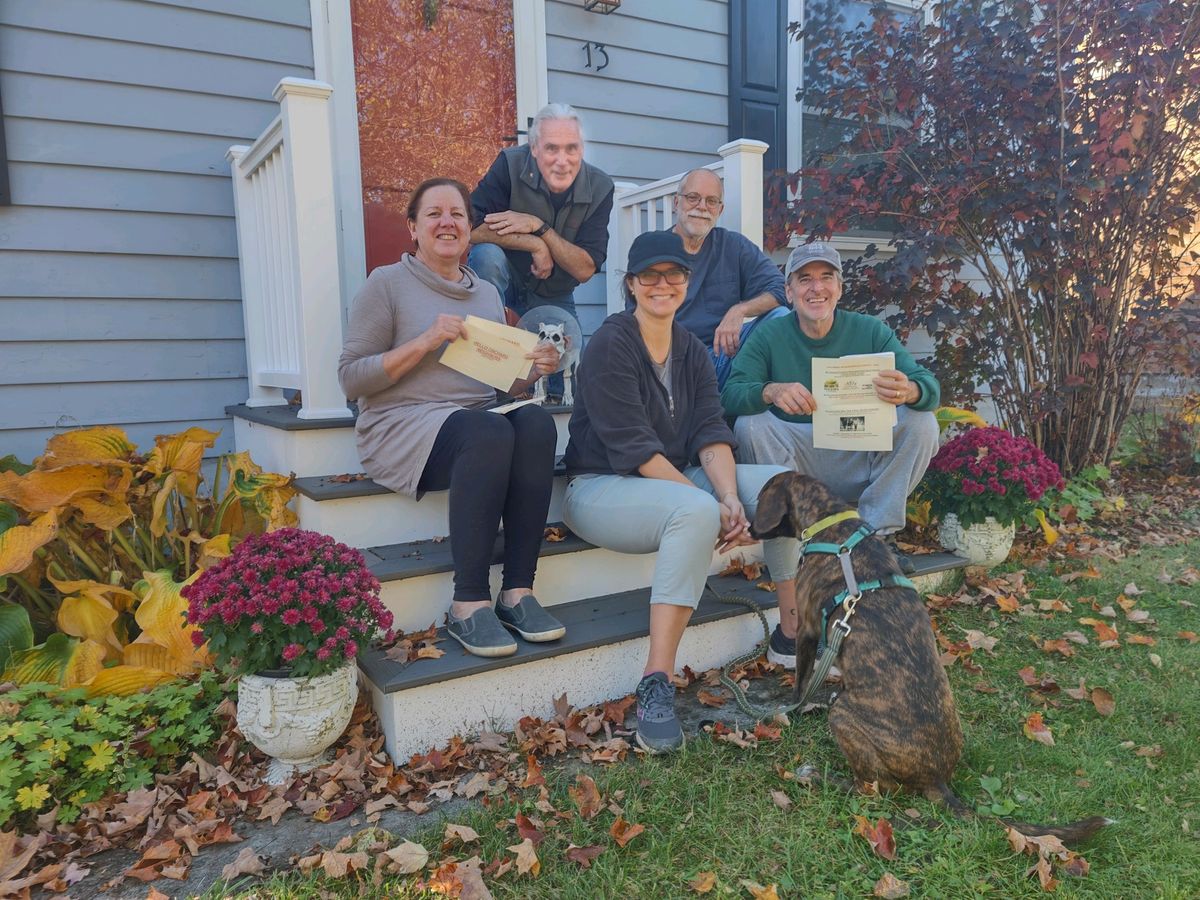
894	716
556	334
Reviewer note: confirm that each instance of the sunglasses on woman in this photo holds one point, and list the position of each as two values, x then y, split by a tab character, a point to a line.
651	277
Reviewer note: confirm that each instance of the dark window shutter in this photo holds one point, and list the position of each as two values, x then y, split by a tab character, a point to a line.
758	75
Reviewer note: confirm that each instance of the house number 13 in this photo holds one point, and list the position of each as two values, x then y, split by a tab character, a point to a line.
588	47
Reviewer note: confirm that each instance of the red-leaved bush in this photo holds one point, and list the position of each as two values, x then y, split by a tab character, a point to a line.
289	599
988	472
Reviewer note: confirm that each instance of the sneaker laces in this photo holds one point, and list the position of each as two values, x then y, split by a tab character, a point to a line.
656	700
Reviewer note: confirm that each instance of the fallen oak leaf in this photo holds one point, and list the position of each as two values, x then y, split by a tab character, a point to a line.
1103	701
890	887
879	836
248	862
585	796
407	857
623	832
703	882
1036	729
758	892
527	860
583	855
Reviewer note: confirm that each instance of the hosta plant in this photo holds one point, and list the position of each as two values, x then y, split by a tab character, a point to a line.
988	472
291	599
96	541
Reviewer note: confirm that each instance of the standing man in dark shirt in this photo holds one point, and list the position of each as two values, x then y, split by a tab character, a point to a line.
541	215
732	280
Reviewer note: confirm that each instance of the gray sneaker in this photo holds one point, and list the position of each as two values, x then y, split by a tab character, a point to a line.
658	730
481	634
529	620
781	650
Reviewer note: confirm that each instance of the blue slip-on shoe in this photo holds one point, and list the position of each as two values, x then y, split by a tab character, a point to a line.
481	634
781	650
529	620
658	730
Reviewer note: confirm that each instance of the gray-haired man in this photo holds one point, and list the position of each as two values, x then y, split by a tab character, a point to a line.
541	215
770	390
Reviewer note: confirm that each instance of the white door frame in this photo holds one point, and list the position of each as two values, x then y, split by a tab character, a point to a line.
333	62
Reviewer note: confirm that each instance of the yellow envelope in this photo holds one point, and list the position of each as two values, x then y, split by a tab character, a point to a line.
491	352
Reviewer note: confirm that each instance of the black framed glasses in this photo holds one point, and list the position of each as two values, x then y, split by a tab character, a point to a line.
651	277
694	199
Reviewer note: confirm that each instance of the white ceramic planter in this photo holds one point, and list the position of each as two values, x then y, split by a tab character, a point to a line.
984	544
295	720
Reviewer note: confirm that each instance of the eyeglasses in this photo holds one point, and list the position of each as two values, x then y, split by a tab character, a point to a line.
651	277
693	199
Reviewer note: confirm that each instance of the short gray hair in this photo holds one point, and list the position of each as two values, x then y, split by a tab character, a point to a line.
554	111
690	172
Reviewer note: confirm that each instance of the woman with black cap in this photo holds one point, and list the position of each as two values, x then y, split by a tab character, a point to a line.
652	468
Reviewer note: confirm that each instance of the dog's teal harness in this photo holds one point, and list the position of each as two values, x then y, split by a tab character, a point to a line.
847	600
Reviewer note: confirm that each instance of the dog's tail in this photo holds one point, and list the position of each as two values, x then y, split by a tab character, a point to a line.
1070	834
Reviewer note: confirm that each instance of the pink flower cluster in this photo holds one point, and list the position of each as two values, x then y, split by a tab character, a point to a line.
988	471
289	598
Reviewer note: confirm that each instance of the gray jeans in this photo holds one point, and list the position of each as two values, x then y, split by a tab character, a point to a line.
878	481
631	514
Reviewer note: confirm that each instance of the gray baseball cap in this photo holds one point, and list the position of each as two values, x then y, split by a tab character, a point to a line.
817	251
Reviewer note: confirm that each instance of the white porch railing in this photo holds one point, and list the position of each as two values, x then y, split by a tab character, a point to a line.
647	207
286	210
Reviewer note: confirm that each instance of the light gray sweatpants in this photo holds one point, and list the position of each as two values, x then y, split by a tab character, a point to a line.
878	481
631	514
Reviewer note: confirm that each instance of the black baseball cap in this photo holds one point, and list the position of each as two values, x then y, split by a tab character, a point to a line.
652	247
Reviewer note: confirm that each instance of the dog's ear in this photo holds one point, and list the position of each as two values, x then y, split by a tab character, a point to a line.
773	517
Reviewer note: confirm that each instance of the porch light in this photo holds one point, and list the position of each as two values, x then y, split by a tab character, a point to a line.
604	7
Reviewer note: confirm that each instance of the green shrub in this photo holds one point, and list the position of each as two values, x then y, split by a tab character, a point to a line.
64	747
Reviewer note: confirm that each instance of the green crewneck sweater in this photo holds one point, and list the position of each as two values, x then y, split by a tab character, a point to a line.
778	351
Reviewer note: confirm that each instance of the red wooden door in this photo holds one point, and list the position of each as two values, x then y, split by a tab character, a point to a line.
436	101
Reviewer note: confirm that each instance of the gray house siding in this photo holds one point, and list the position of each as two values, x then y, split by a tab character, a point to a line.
119	287
658	108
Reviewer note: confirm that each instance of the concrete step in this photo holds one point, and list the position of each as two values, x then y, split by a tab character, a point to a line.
425	703
280	441
417	578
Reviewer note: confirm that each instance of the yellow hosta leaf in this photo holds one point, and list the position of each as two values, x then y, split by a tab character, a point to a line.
953	415
125	680
121	599
213	549
161	617
182	454
108	510
61	660
158	520
268	492
149	655
1049	532
91	617
918	511
103	444
17	544
39	491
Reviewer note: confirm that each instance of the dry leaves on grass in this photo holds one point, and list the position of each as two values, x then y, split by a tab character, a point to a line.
583	855
623	832
1103	701
527	858
890	887
1050	851
1036	729
879	835
703	882
758	892
586	796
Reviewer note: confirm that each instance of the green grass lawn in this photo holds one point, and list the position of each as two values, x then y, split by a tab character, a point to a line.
710	808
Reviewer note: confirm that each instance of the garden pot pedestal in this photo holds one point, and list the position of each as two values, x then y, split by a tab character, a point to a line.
983	544
295	720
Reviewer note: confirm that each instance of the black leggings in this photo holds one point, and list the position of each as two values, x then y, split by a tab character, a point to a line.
496	467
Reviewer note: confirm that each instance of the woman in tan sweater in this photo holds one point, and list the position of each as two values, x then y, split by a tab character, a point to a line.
425	427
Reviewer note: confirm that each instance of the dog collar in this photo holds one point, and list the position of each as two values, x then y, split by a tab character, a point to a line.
828	522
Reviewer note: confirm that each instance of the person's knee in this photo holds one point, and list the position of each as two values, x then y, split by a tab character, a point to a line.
698	517
534	428
489	262
918	429
491	439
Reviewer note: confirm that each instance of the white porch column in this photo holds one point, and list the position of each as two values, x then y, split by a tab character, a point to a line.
312	201
623	227
744	188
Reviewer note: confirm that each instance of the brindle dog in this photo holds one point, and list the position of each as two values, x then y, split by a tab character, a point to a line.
894	717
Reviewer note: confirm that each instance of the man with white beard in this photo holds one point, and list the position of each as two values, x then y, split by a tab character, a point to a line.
731	280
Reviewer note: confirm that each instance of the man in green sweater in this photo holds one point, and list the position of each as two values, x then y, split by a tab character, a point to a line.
769	391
